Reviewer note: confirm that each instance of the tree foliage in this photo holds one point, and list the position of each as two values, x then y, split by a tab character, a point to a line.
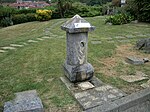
140	9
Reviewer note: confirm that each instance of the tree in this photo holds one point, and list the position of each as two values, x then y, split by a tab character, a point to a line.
116	3
63	6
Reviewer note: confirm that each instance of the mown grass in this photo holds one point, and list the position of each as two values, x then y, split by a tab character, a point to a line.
39	65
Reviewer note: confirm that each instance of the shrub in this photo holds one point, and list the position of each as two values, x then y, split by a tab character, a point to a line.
31	17
6	22
43	15
23	18
139	9
119	19
83	10
25	11
5	16
19	18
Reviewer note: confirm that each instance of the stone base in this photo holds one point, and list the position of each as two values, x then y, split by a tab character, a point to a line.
78	73
94	97
26	101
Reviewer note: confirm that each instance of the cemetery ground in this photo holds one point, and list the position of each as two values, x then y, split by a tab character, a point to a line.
32	54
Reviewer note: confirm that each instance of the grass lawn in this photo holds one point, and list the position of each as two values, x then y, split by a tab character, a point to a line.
39	65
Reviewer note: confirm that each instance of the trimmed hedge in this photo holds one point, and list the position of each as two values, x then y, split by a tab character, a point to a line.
23	18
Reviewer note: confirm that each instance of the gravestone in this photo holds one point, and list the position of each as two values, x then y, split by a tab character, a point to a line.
134	60
26	101
76	67
143	44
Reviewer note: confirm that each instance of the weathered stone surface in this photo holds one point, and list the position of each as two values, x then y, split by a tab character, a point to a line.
85	85
96	42
2	51
77	25
45	37
77	73
134	60
9	48
98	96
16	45
40	39
26	101
146	85
136	102
143	44
133	78
145	60
73	87
32	41
76	66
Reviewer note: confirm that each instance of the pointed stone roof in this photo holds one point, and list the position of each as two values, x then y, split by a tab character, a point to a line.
77	24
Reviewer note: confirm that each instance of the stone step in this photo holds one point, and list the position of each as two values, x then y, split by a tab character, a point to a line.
2	51
40	39
32	41
45	37
16	45
8	48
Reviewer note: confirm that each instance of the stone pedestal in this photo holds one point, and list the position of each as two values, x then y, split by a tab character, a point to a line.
76	67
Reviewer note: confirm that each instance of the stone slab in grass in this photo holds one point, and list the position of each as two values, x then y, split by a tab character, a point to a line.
94	97
146	85
45	37
32	41
96	42
26	101
119	37
8	48
40	39
134	60
16	45
139	76
2	51
97	96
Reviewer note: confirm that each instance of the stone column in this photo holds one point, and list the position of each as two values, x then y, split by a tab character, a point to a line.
76	66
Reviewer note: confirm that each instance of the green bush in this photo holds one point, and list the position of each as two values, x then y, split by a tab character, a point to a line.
83	10
25	11
6	22
23	18
119	19
5	16
140	9
31	17
19	18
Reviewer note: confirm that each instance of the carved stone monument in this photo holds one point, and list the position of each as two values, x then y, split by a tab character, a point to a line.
76	66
